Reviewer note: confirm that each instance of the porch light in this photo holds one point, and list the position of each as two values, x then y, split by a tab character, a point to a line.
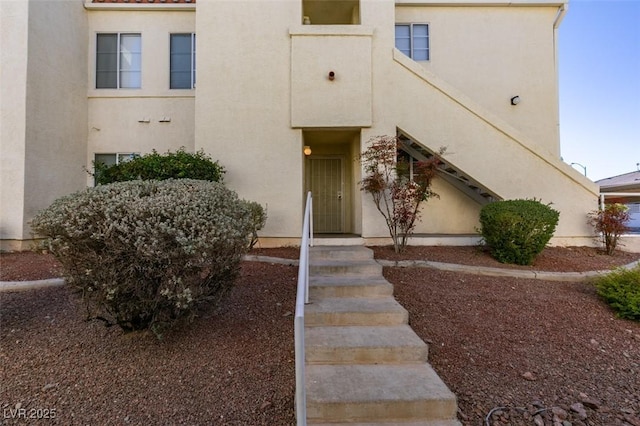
515	100
307	150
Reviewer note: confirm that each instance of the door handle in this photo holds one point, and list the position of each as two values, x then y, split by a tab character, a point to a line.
339	195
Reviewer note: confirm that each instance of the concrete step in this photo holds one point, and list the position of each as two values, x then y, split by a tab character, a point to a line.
344	267
344	253
357	286
377	393
398	423
371	311
364	345
337	240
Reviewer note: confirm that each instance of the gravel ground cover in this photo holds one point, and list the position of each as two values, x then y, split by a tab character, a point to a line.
232	366
546	352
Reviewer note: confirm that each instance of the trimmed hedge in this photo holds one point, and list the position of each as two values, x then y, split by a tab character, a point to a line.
178	165
516	231
143	254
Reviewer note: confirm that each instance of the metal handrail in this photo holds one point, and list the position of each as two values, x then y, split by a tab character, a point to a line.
302	298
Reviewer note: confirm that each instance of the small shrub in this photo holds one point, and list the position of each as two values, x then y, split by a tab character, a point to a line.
609	224
258	220
143	254
516	231
621	290
178	165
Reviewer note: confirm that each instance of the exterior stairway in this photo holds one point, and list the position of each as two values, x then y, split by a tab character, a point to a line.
364	364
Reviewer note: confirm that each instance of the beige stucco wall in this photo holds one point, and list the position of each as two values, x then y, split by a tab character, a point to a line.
492	53
257	66
511	150
379	15
243	107
135	120
513	167
13	88
317	100
48	135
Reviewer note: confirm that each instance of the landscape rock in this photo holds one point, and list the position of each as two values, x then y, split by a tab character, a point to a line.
559	413
589	402
578	408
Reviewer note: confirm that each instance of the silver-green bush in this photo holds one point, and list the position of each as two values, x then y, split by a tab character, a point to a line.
145	253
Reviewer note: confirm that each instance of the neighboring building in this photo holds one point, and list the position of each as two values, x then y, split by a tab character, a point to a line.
104	79
624	189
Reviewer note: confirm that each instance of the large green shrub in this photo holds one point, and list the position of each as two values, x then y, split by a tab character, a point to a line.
177	165
621	290
144	253
516	231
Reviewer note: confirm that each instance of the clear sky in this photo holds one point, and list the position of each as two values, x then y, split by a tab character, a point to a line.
599	71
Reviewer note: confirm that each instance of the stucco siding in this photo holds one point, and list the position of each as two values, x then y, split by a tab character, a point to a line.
243	107
154	116
56	103
331	76
46	143
263	92
489	149
492	53
13	87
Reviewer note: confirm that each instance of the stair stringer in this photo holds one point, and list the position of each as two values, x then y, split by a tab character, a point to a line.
487	148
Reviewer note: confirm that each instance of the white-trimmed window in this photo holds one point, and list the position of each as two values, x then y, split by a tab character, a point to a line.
182	61
413	40
111	159
118	61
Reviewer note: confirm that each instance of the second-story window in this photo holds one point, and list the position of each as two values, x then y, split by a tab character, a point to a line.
118	61
413	40
182	61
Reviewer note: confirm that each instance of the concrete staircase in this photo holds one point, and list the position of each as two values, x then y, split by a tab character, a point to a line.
364	364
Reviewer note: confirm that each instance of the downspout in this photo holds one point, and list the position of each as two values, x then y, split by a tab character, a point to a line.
562	10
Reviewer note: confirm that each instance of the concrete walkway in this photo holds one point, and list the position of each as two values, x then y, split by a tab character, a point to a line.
453	267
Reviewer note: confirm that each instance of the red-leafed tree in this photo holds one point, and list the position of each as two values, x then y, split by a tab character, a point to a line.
610	223
397	194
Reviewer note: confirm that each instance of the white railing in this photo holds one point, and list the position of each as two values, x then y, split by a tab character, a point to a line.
302	298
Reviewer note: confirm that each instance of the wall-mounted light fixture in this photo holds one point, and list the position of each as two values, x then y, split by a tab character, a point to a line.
307	150
515	100
332	75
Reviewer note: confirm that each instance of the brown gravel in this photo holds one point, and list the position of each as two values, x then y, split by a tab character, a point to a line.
234	366
553	259
28	265
529	345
